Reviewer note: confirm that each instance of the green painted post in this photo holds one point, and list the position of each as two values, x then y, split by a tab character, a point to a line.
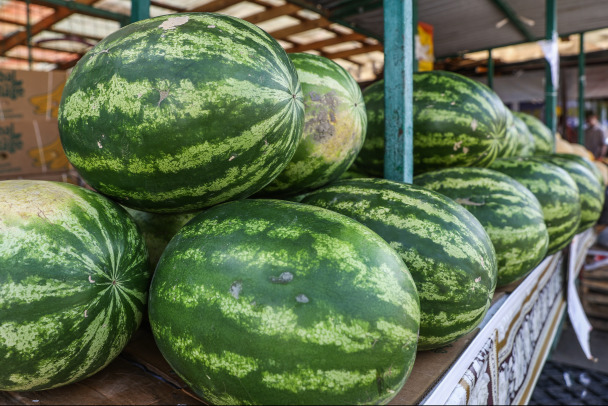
490	70
140	10
398	83
550	87
581	89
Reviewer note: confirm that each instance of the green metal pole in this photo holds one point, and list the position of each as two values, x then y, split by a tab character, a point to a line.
550	87
490	70
140	10
581	89
415	34
398	83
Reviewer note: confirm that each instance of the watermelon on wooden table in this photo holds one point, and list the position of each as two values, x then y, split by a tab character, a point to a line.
457	122
544	141
181	112
73	283
334	126
556	192
590	190
275	302
509	212
447	251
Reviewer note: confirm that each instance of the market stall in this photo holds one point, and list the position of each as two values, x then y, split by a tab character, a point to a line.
500	361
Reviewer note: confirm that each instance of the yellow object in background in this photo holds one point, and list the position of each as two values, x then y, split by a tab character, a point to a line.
424	47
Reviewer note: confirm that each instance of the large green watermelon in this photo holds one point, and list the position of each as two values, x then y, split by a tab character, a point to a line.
544	141
591	191
182	111
556	192
334	126
275	302
586	163
509	212
457	122
525	143
448	253
73	283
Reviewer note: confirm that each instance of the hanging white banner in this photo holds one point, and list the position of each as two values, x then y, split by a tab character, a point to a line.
551	51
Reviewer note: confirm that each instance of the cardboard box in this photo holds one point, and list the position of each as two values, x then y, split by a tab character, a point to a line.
26	95
30	148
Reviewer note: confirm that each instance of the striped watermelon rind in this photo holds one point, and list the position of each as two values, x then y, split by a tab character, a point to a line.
181	112
525	143
556	192
457	122
275	302
508	211
335	124
447	251
586	162
73	283
544	141
591	191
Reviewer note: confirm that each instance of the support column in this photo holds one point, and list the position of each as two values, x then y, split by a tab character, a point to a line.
581	89
398	84
490	69
550	87
140	10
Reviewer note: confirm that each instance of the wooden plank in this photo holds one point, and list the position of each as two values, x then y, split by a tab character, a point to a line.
355	51
597	285
214	6
306	25
317	45
20	38
271	13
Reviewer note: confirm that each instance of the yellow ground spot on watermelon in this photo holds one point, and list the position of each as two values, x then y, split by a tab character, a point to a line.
335	381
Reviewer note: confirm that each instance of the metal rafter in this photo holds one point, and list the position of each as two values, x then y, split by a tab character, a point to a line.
214	6
355	51
20	38
513	17
355	7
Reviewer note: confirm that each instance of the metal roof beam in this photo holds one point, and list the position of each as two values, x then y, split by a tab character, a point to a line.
272	12
317	45
325	13
85	7
20	37
355	51
355	7
214	6
513	17
302	27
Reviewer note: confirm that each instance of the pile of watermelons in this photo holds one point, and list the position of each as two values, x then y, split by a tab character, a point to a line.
214	160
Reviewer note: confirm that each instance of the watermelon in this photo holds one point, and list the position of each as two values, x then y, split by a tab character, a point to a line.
158	229
586	163
181	112
556	192
544	141
525	143
73	283
510	213
591	191
512	138
447	251
265	301
334	126
457	122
